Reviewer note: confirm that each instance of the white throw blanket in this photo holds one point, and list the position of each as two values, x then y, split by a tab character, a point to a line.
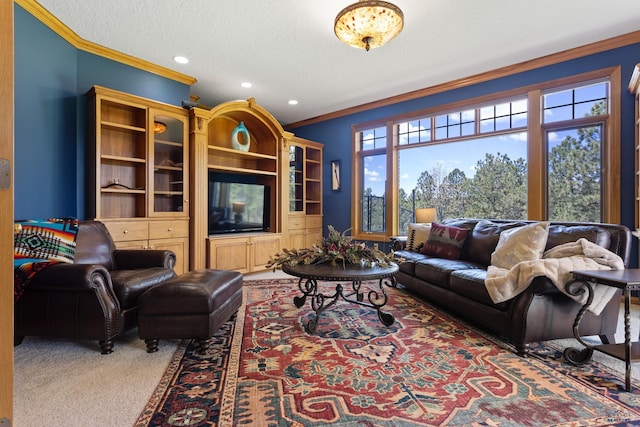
556	264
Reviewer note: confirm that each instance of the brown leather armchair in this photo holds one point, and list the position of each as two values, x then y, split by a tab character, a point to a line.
96	296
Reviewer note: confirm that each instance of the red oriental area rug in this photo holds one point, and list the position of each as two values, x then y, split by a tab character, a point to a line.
427	369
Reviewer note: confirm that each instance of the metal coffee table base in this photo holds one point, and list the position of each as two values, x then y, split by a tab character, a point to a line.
320	302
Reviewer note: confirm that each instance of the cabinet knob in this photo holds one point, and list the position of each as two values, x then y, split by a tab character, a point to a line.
125	231
169	229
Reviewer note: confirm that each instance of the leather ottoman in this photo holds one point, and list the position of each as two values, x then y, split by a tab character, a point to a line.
192	305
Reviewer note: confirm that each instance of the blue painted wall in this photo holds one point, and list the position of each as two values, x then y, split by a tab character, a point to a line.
51	79
336	133
45	121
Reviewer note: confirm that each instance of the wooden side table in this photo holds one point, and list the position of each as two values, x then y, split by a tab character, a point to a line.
628	280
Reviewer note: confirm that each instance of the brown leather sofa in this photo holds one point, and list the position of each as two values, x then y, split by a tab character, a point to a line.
540	313
95	297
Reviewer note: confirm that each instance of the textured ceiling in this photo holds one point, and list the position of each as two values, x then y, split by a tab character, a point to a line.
287	48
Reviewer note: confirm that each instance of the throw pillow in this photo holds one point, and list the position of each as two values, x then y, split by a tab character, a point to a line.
445	241
417	236
524	243
53	239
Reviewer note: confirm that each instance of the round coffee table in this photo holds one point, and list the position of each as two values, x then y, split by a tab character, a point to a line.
310	274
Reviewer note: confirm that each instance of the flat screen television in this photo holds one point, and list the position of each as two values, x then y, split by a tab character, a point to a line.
236	207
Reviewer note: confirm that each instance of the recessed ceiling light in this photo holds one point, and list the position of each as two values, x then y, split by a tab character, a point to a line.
246	84
293	102
181	59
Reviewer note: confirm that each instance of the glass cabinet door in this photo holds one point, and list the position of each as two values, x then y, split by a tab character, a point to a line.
169	173
296	179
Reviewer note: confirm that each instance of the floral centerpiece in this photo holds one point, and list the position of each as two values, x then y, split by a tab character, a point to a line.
337	249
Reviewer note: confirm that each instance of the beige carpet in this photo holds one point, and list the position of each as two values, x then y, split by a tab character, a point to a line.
69	383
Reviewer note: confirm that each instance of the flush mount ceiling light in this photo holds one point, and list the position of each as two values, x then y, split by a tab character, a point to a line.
368	23
159	127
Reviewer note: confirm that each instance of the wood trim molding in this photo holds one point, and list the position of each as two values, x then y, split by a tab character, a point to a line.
6	215
589	49
635	79
44	16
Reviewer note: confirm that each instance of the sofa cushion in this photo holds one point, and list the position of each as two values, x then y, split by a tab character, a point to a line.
520	244
445	241
483	240
560	234
438	270
470	283
417	235
409	261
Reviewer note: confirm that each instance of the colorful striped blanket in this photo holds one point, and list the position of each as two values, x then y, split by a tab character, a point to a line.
38	244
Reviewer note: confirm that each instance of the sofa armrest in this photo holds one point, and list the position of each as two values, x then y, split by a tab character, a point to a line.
542	285
73	278
132	259
398	243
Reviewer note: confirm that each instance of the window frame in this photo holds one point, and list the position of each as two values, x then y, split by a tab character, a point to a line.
536	151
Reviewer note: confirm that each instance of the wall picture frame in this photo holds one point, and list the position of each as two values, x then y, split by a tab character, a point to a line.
335	175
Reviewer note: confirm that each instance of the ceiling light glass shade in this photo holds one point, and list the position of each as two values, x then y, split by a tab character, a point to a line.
368	23
159	127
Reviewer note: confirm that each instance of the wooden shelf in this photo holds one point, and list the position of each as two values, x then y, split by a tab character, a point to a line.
241	170
123	159
230	160
305	193
123	126
238	153
168	193
171	143
123	190
167	168
152	169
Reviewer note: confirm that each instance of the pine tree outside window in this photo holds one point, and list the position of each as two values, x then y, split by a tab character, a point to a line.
539	154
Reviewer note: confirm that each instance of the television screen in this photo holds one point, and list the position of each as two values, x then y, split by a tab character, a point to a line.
236	207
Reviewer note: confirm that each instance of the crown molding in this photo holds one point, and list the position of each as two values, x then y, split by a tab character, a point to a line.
44	16
554	58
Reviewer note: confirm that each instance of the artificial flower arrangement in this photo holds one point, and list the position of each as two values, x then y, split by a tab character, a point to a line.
337	249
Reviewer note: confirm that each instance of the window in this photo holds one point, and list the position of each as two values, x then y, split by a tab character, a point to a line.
574	153
478	177
575	103
474	160
574	168
508	115
469	175
453	125
373	175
